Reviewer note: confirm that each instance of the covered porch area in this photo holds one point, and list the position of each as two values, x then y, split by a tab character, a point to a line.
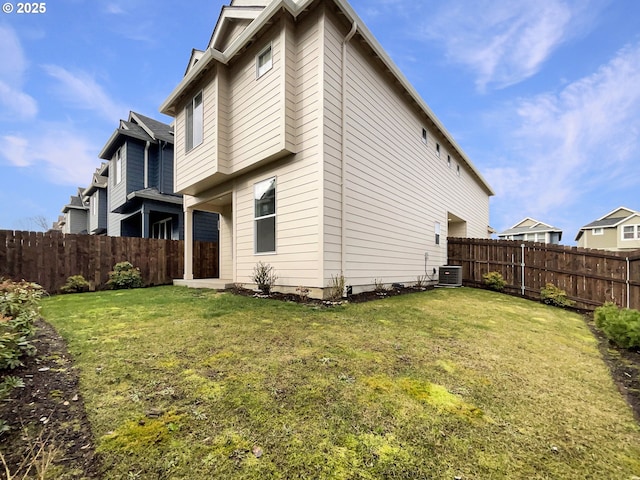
222	204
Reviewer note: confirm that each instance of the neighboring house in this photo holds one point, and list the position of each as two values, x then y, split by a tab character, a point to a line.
320	157
96	195
75	214
618	230
139	184
531	230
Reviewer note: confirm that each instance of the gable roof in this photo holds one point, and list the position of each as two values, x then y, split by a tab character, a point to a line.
75	203
138	127
296	7
610	220
530	225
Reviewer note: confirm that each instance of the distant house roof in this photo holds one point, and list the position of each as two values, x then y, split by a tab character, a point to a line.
75	203
139	127
530	225
98	181
610	220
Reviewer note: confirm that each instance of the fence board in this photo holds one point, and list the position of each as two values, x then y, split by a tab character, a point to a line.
50	258
590	277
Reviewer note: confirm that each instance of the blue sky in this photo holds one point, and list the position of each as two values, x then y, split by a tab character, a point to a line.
543	96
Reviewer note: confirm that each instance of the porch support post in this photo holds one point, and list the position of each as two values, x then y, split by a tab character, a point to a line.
188	243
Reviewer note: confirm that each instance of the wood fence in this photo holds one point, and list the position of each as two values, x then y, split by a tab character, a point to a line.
50	258
589	277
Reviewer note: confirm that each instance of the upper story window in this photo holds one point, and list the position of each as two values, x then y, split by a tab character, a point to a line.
118	166
195	122
424	136
94	204
264	195
458	170
264	62
438	149
631	232
436	228
449	161
597	231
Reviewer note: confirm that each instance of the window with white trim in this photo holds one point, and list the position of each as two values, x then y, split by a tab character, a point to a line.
264	61
118	166
631	232
264	199
194	122
597	231
94	205
162	229
436	228
438	149
424	136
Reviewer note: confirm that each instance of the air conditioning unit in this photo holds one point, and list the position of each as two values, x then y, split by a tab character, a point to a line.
450	276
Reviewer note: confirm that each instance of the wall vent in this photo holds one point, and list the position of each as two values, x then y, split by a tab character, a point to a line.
450	276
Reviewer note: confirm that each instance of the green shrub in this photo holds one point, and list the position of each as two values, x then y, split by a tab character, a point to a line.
622	326
264	275
552	295
19	309
494	281
125	275
75	284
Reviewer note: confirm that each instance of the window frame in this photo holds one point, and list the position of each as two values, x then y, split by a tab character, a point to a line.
437	232
118	167
438	150
257	218
425	136
635	233
261	70
167	227
597	231
191	113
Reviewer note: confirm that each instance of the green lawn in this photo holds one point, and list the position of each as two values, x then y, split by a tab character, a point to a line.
192	384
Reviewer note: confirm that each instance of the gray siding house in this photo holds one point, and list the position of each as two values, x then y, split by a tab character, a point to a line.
531	230
96	199
139	184
75	214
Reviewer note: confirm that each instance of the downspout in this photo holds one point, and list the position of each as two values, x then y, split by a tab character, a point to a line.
343	152
146	164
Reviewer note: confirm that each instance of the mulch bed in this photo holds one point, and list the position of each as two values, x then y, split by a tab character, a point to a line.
50	406
48	411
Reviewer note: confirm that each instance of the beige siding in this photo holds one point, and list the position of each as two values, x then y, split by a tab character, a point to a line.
234	31
201	161
255	111
298	188
397	187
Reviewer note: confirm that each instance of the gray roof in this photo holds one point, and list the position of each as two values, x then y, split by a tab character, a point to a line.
148	130
159	130
607	222
154	194
536	229
75	203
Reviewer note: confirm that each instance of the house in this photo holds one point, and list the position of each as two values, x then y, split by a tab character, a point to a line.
136	185
96	195
321	159
532	230
75	214
618	230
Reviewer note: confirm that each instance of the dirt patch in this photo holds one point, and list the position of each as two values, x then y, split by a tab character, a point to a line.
624	366
48	413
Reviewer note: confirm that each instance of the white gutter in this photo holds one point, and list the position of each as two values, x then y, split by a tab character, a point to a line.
343	152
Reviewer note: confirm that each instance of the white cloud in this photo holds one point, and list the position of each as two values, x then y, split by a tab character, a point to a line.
58	151
570	145
115	9
82	91
504	43
17	105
